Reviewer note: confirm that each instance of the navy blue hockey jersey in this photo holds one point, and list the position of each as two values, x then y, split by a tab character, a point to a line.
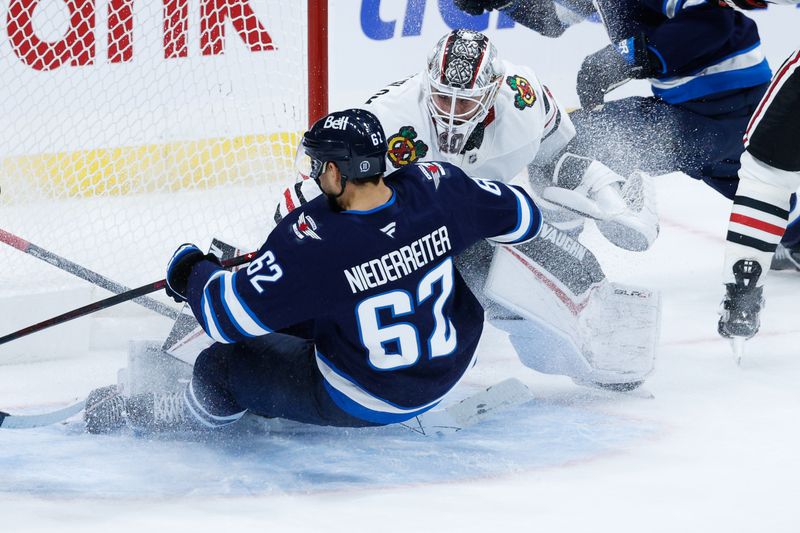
395	326
702	49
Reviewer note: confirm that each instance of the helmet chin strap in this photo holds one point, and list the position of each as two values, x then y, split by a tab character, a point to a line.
333	198
344	184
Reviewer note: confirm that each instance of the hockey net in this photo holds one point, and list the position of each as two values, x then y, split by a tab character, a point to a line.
131	127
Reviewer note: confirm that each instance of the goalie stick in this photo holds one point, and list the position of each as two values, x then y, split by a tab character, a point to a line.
468	412
472	409
9	421
109	302
82	272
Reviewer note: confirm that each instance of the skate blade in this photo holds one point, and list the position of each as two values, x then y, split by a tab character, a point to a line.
737	344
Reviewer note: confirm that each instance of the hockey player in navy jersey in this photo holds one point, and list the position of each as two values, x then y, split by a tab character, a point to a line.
497	120
369	264
707	72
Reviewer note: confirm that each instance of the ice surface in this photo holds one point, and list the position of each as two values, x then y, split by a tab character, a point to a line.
261	459
715	450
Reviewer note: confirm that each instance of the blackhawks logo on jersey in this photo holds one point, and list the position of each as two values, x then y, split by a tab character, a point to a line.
525	96
404	149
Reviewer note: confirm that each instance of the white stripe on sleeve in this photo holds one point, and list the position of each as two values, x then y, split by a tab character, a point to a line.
524	223
208	313
241	319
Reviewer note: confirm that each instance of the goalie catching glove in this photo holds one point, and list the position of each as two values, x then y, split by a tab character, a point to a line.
180	267
623	209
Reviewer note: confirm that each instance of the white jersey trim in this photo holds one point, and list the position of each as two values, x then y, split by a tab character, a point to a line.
525	221
362	397
241	318
208	314
748	59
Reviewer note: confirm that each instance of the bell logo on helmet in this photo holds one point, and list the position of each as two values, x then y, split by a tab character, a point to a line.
332	122
364	166
348	138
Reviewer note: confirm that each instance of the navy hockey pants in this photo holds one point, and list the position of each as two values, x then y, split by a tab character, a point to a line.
702	138
275	376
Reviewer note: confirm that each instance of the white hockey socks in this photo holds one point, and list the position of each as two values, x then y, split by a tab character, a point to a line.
759	214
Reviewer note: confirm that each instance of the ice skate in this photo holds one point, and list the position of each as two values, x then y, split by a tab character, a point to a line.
158	411
620	387
107	411
742	303
785	259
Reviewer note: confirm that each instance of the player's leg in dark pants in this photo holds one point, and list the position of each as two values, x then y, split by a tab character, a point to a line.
274	376
701	138
774	129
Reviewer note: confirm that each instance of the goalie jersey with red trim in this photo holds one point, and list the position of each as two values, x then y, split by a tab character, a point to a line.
395	326
526	124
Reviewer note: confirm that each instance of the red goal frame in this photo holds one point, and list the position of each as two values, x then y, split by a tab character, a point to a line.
317	60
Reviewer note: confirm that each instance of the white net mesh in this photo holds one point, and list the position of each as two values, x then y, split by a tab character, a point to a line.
131	127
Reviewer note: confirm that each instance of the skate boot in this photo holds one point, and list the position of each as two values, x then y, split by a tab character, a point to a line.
107	411
104	411
743	302
159	411
785	259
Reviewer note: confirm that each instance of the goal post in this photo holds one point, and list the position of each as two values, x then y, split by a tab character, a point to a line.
317	60
130	127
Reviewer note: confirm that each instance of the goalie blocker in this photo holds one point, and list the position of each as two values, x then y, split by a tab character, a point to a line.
575	322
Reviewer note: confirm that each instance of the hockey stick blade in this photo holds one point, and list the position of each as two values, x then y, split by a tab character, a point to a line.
737	345
8	421
110	302
472	410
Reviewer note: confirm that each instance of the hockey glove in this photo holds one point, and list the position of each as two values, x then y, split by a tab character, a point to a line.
743	4
612	66
180	266
539	15
476	7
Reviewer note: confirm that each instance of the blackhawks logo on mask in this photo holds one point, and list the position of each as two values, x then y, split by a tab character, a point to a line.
525	96
404	149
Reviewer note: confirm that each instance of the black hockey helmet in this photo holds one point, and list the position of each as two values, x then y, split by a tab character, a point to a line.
353	139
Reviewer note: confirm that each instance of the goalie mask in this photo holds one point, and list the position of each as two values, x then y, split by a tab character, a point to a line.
464	75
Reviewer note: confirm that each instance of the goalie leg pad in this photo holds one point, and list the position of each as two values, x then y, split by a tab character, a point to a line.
598	332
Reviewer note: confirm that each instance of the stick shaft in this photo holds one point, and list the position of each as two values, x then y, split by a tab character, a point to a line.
109	302
83	273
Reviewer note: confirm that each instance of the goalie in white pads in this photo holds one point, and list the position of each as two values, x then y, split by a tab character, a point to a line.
495	120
